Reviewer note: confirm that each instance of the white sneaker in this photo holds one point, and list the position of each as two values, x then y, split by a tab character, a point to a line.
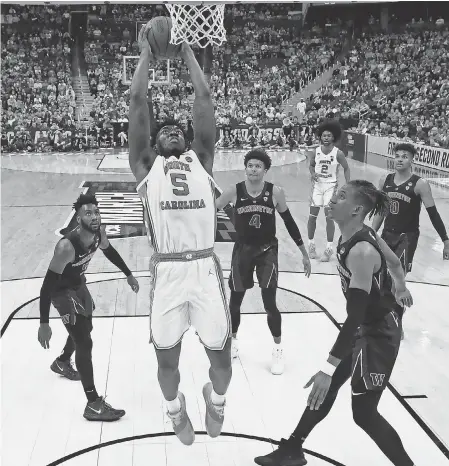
234	349
312	251
277	364
327	255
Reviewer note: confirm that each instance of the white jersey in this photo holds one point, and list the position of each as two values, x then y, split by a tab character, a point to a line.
178	196
326	165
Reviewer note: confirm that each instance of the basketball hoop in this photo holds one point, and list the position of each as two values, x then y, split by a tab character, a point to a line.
197	24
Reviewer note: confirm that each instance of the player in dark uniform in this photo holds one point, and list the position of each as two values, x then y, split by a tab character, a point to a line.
65	287
407	191
255	204
369	340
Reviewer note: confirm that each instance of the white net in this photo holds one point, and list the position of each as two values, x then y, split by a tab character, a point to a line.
197	24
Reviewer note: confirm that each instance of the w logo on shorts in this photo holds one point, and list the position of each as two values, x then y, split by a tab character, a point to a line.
65	319
377	379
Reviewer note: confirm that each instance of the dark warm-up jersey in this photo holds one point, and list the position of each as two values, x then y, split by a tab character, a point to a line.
381	298
405	205
255	217
73	274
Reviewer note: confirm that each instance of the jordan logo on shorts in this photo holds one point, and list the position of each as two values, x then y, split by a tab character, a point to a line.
377	379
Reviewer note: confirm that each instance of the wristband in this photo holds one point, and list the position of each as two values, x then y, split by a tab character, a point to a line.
328	369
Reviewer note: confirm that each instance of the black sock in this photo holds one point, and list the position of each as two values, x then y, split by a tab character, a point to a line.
91	394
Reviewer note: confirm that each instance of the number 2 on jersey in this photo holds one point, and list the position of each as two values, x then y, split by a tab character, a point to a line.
255	221
183	187
324	169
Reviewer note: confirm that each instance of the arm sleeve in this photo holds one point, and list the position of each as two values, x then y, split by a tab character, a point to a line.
50	281
292	227
111	254
357	303
437	222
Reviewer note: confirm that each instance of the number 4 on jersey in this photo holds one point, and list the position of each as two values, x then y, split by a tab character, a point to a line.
255	221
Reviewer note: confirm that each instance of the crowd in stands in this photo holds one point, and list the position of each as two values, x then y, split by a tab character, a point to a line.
388	84
37	90
252	74
393	85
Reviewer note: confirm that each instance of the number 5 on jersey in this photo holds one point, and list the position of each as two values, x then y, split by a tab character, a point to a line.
255	221
183	188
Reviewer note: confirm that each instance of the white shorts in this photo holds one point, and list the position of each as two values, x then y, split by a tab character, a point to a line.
188	289
322	194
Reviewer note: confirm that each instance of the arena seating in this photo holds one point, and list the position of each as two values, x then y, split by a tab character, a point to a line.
37	94
388	84
392	85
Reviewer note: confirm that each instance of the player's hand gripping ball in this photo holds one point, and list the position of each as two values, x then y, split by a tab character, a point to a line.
158	34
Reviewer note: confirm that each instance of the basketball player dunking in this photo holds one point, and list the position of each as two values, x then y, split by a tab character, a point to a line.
407	191
65	287
323	167
178	194
256	202
369	340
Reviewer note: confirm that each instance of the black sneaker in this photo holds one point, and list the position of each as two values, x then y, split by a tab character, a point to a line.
65	369
287	454
99	410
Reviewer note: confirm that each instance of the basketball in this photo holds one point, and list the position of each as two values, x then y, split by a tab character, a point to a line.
159	38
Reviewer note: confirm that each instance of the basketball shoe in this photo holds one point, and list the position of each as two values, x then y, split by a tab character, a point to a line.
326	257
65	369
214	413
99	410
312	251
181	423
287	454
277	363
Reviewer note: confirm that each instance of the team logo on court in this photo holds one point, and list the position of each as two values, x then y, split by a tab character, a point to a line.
377	379
121	212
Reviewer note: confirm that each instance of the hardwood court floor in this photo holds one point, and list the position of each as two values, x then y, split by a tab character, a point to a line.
41	414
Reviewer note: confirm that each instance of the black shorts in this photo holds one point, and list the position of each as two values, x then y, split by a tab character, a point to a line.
246	258
403	245
374	354
72	302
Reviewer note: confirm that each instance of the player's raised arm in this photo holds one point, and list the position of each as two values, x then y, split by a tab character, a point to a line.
341	158
141	154
425	192
203	112
379	218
